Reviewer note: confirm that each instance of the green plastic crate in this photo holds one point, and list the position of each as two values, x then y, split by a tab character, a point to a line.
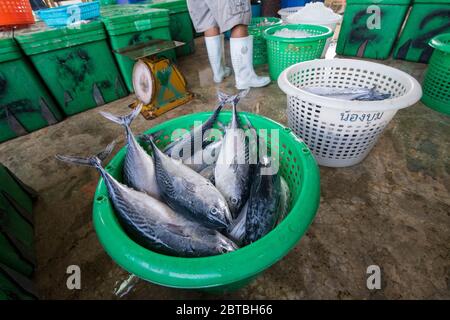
20	195
180	23
25	104
428	18
259	43
16	223
16	239
355	37
131	25
76	64
14	286
436	85
285	52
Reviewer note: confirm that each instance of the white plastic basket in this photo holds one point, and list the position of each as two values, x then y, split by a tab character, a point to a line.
330	23
284	13
341	133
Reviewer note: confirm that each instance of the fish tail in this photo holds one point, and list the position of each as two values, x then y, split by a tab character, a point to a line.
230	98
123	120
92	161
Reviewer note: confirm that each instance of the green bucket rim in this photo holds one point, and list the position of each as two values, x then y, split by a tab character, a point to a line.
441	42
327	33
220	270
256	20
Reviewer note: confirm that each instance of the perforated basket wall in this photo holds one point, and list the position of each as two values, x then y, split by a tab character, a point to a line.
259	43
284	52
341	133
436	85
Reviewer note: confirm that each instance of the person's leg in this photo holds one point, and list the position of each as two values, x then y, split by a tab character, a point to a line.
212	32
214	46
241	48
239	31
204	21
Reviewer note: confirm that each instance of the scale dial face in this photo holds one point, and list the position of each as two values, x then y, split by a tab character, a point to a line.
143	82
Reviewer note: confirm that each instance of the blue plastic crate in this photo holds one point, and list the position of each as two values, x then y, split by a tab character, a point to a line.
64	15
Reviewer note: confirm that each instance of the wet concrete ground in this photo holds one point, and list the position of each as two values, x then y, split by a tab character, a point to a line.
392	210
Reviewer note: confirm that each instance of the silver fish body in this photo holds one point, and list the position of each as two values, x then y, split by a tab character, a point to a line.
263	202
189	193
232	171
138	168
153	224
359	94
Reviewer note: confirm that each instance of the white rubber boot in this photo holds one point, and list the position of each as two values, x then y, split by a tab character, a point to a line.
242	60
216	56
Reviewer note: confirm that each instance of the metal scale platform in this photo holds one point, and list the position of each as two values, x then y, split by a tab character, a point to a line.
157	82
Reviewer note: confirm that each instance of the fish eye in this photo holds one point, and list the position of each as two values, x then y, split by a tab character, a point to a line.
234	201
214	211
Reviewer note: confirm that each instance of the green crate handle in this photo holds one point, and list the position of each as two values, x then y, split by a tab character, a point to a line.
441	42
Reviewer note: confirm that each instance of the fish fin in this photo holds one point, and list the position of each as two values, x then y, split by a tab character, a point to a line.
93	161
188	185
123	120
176	229
225	98
145	136
105	153
243	93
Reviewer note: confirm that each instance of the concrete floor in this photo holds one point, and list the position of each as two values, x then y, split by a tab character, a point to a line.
392	210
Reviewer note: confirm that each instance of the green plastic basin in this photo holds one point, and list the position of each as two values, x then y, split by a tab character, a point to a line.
228	271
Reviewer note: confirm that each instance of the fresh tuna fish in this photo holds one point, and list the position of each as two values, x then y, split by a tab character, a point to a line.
236	231
358	94
262	212
138	167
188	192
232	172
153	224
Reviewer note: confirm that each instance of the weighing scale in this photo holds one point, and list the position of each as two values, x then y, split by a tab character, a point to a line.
157	82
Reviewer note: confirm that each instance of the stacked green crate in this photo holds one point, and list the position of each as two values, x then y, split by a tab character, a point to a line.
76	64
370	27
133	25
428	18
180	23
25	104
14	286
16	224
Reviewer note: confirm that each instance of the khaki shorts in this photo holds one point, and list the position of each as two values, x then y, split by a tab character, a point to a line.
225	14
